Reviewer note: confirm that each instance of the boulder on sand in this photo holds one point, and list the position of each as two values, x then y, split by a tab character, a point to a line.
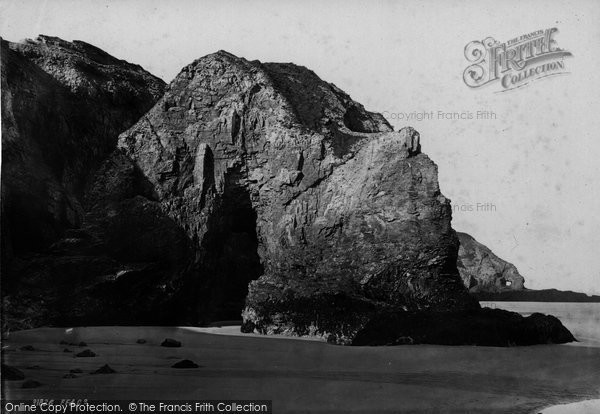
171	343
186	363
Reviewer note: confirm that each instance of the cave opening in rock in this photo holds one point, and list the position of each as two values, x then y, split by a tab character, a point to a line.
232	259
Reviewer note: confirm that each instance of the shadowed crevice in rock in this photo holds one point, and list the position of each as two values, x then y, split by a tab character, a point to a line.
147	254
230	258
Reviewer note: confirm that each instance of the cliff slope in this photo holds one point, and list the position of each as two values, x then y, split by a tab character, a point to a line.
63	106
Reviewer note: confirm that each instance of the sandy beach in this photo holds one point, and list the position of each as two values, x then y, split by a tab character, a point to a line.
302	375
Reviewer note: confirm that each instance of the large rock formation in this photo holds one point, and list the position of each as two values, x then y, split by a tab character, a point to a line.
346	216
260	175
482	271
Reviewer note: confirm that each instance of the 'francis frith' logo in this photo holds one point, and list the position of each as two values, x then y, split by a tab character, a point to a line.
514	63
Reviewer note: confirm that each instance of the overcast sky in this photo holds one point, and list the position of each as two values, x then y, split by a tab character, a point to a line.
537	162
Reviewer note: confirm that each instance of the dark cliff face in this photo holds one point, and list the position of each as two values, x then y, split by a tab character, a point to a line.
64	105
483	271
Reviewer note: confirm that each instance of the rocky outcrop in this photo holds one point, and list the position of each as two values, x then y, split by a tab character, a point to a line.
482	271
487	327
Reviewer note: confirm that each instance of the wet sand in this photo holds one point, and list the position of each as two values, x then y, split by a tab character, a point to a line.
301	375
